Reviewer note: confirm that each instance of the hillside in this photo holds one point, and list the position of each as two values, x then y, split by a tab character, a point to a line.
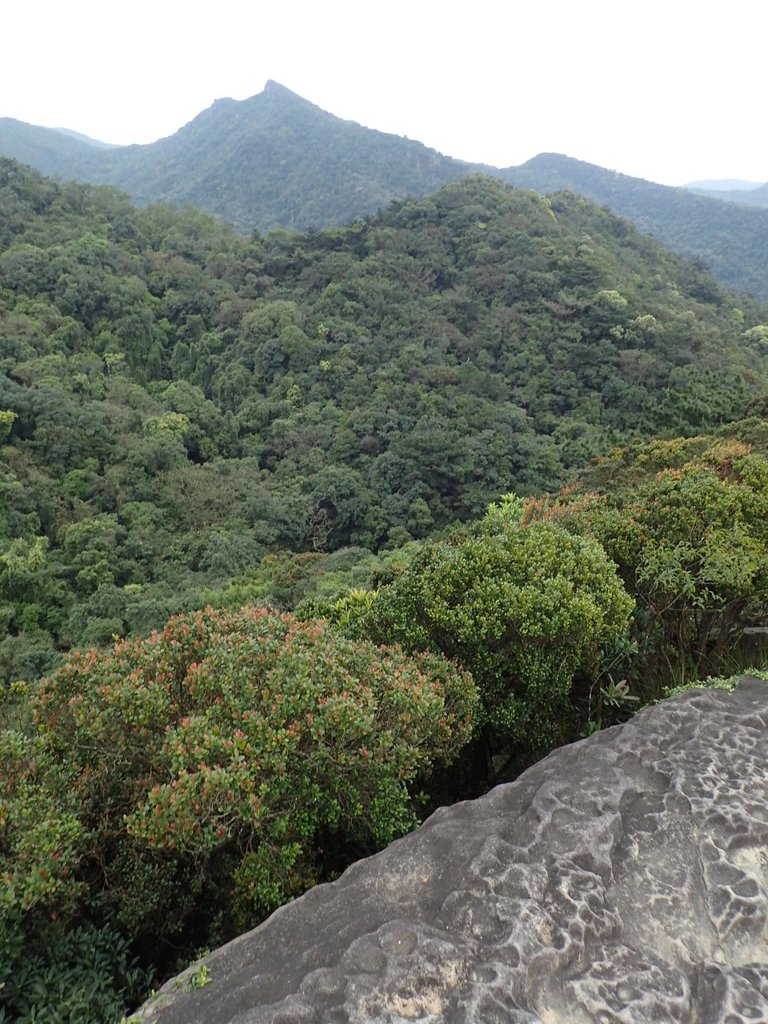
757	196
731	240
51	151
86	138
272	160
180	402
277	160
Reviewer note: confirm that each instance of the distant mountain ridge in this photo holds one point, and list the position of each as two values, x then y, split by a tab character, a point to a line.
723	185
50	150
731	240
274	160
87	139
277	160
754	196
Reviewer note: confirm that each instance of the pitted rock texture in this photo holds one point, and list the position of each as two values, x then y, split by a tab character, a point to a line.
622	880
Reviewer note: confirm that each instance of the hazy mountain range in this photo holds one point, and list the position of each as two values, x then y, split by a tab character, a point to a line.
276	160
747	193
723	185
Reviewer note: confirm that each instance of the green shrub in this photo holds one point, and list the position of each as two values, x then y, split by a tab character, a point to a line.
183	786
689	533
525	609
85	975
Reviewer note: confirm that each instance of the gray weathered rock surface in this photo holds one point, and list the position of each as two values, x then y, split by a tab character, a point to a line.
622	879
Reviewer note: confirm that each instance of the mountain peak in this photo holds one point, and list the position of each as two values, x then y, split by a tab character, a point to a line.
274	88
277	159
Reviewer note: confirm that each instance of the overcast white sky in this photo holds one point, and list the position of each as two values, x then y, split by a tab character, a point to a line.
671	91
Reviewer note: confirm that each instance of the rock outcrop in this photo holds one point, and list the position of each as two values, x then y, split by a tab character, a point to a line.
621	879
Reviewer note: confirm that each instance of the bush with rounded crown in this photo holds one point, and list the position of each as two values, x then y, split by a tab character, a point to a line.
193	781
523	608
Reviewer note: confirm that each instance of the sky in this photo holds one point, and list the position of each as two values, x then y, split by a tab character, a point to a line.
669	91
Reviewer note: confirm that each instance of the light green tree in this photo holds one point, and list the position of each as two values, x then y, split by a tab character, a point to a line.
524	608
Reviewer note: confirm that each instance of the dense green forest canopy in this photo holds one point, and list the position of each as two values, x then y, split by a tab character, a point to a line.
276	159
685	521
730	239
179	401
755	196
272	160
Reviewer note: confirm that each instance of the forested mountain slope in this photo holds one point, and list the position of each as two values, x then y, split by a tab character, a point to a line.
757	196
732	240
272	160
277	160
50	151
178	401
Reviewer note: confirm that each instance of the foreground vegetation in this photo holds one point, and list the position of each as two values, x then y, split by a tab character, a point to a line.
169	792
263	604
175	790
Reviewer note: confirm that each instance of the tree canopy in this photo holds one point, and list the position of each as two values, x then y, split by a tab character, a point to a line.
179	402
